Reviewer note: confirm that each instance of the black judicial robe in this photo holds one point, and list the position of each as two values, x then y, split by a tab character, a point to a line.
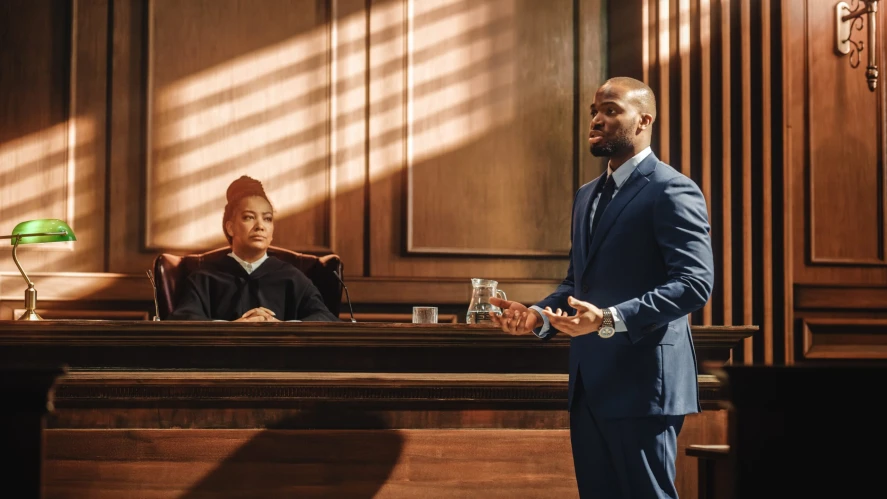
225	291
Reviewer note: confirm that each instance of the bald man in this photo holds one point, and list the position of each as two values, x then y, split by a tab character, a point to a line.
640	263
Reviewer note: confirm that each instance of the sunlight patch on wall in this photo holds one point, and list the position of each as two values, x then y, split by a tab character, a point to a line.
348	105
37	174
448	78
264	114
460	83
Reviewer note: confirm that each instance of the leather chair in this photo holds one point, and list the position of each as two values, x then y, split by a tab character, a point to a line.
170	271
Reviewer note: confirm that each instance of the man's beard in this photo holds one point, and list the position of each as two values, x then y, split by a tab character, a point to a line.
621	142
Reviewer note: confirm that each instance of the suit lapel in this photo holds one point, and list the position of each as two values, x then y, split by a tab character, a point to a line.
636	181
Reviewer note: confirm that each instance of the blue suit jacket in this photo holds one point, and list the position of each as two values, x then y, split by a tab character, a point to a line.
650	258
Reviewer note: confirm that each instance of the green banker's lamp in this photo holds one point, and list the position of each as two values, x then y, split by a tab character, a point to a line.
46	230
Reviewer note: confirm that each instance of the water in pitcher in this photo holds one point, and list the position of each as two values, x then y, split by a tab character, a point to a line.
480	308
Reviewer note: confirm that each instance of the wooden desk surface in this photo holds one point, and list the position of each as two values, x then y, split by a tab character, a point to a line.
289	333
304	346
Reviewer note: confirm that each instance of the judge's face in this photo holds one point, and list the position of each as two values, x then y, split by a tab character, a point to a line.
251	227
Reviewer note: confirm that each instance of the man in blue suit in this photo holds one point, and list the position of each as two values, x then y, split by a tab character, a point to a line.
640	263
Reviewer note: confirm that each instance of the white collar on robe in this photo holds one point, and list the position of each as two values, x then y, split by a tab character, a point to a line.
247	266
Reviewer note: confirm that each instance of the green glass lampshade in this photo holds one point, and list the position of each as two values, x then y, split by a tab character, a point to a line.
43	225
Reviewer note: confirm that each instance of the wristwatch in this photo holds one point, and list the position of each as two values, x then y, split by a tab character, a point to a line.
608	325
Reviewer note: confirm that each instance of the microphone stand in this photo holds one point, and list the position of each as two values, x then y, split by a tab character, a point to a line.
347	296
154	288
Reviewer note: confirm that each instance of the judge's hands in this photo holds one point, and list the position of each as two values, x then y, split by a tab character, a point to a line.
259	314
515	318
587	319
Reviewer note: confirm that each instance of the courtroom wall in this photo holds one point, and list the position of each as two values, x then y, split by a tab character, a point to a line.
424	142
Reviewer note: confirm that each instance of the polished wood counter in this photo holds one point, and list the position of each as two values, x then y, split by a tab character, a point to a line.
294	346
185	409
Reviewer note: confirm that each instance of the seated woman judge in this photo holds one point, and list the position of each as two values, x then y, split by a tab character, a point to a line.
249	285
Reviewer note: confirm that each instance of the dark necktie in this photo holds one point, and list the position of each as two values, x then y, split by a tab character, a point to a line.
606	196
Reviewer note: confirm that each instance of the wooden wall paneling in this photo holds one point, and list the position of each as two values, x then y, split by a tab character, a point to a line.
349	44
685	56
420	153
706	118
840	298
777	265
766	184
844	336
127	133
748	235
52	153
87	146
250	95
650	48
73	295
473	121
795	158
663	61
785	137
845	179
839	171
716	67
727	158
835	188
590	73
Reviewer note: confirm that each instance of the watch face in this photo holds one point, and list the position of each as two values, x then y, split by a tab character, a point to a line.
606	332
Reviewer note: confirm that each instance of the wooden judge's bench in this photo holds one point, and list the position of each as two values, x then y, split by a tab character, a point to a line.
187	410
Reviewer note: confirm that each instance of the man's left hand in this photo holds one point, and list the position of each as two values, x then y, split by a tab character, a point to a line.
587	319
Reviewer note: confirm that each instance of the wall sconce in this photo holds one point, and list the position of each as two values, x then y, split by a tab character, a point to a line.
848	19
47	230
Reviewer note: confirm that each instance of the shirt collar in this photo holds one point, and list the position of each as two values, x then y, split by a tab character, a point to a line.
247	266
623	172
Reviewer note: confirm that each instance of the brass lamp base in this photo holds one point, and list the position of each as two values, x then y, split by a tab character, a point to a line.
30	315
30	305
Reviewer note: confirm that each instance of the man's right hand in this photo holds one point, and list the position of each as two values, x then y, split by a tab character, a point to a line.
516	318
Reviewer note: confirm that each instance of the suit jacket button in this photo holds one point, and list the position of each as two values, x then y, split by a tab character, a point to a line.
585	288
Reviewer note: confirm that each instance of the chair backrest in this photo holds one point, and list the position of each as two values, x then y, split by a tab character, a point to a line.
170	271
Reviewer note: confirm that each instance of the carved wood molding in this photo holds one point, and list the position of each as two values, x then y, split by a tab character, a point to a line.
189	387
840	298
81	389
844	338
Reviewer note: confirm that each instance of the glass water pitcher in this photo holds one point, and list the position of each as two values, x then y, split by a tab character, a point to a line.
480	308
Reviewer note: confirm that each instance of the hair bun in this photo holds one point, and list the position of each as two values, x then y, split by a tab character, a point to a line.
244	187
